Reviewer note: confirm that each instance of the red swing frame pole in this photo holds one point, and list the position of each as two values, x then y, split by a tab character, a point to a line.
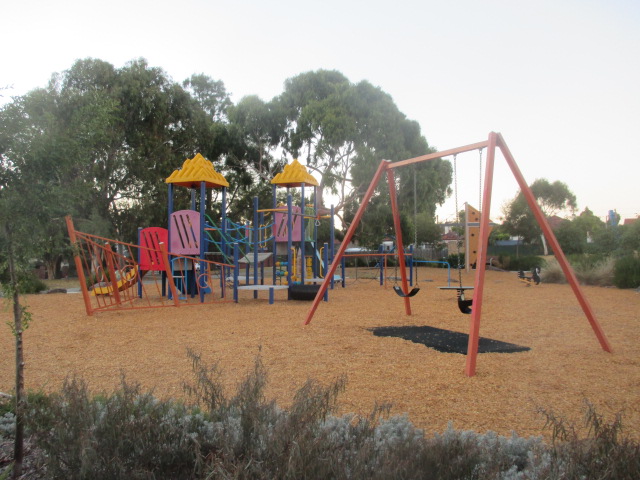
555	246
481	260
399	245
384	164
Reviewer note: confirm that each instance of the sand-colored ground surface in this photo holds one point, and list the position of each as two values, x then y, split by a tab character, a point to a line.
564	367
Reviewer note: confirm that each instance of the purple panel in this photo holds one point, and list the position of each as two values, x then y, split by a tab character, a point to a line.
280	226
184	231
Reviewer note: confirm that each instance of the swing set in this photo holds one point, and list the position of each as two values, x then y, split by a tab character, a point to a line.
495	140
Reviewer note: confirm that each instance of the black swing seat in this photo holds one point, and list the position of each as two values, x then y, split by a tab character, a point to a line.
465	305
400	293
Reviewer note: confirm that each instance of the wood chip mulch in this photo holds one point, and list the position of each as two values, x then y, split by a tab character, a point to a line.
564	367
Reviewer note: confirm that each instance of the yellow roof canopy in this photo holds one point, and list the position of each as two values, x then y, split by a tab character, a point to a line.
196	170
294	175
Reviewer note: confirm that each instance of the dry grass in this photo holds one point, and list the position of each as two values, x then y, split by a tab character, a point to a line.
564	366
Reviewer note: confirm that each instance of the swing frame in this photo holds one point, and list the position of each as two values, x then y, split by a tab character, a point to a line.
495	140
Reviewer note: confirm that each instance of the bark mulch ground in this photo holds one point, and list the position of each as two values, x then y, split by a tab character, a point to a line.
563	368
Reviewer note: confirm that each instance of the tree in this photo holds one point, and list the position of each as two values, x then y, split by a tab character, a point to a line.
552	199
105	139
630	240
210	94
16	249
343	130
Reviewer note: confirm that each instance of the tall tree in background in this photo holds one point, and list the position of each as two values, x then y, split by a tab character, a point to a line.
106	139
255	132
343	130
552	199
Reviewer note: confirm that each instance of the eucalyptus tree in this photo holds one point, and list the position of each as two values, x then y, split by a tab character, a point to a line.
343	130
552	198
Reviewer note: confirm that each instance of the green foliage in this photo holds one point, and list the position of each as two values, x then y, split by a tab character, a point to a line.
630	240
456	260
344	130
551	197
627	272
28	283
517	263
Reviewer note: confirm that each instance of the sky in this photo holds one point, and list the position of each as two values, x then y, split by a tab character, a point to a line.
559	79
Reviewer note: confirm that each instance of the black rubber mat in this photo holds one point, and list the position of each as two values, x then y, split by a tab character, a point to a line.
446	340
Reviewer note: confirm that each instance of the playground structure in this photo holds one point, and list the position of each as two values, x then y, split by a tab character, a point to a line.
495	140
196	261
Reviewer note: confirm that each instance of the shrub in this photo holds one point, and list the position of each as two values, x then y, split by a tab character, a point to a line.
28	283
589	270
131	434
604	454
627	272
598	273
526	263
455	260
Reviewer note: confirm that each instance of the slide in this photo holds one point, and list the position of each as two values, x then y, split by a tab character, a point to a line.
126	277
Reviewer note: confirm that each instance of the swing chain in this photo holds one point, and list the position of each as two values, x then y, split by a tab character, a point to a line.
459	240
415	209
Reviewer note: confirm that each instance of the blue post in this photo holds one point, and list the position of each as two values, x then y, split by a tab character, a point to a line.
275	227
332	236
169	212
223	223
315	268
203	242
325	259
256	240
289	238
139	258
303	237
235	272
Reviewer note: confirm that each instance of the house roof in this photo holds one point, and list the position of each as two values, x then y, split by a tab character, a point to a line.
555	221
629	221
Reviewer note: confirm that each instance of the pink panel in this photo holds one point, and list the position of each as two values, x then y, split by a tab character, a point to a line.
280	226
150	238
184	227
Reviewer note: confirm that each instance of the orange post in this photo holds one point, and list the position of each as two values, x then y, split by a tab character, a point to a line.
481	260
347	238
555	246
396	225
167	269
112	274
76	258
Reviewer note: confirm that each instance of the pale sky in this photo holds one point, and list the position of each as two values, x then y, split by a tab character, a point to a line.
560	79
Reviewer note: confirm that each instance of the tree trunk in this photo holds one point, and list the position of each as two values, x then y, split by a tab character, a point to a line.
545	249
18	452
57	273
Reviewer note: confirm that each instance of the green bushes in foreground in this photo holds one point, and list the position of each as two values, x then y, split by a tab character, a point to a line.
131	434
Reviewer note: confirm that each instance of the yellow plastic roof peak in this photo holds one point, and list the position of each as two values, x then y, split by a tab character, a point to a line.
293	175
196	170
